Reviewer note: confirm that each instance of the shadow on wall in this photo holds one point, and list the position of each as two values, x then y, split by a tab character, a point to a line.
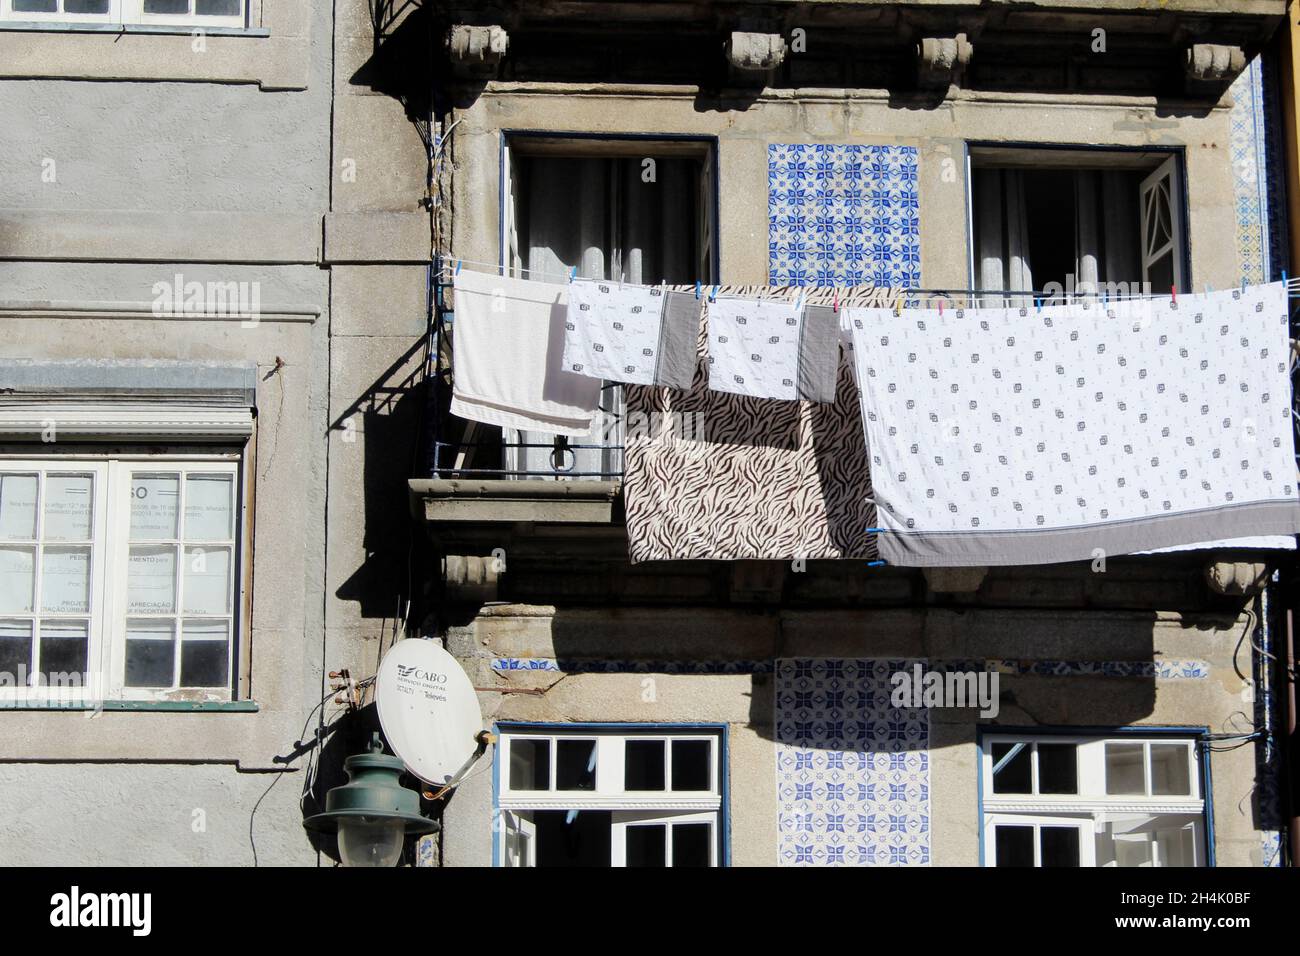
387	421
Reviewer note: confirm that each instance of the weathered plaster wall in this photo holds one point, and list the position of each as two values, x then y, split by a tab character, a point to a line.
217	181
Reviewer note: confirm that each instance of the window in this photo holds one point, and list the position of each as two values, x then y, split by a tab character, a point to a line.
631	210
609	798
1084	801
195	13
119	578
1069	220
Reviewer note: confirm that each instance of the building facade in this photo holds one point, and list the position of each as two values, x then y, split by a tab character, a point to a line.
685	647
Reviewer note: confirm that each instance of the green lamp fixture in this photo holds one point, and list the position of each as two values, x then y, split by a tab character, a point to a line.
372	813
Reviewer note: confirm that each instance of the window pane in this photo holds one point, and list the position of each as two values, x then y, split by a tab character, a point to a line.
18	507
207	581
151	580
36	6
1124	772
575	765
530	764
205	653
573	838
85	6
691	844
643	765
1059	846
217	8
691	765
16	651
1170	774
166	6
1015	845
1177	847
16	580
1058	768
647	845
150	653
1134	850
153	506
68	507
64	653
208	507
1016	774
65	580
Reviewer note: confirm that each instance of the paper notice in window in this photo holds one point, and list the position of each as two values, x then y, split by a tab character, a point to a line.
151	581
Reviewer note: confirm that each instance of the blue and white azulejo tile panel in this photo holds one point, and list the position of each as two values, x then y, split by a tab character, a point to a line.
843	215
852	771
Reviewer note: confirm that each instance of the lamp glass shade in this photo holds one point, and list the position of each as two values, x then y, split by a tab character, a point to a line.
370	841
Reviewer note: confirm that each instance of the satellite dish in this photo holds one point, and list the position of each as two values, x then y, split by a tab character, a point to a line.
428	710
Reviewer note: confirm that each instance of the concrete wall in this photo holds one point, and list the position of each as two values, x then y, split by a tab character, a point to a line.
218	179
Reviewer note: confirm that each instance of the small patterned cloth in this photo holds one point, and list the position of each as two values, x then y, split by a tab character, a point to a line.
643	335
772	348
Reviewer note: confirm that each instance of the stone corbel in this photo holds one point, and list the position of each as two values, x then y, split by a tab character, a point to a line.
955	580
941	61
470	578
475	50
1236	578
752	57
1211	68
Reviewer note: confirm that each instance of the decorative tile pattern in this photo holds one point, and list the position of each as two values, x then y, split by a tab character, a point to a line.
1248	153
843	214
1151	670
852	771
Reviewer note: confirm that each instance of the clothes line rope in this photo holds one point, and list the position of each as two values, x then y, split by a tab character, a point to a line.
855	295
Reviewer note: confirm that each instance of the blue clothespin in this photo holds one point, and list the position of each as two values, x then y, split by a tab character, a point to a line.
573	273
875	564
1038	304
458	265
713	296
698	286
875	531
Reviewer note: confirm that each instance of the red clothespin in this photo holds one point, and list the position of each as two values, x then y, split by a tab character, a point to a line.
941	308
1173	294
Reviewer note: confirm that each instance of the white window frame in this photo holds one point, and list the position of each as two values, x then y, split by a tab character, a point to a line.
110	549
629	808
131	12
1091	808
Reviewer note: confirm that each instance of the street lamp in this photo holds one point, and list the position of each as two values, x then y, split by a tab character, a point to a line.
372	813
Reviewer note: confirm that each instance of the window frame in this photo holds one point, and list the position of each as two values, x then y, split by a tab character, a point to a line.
107	646
513	808
1092	805
978	152
123	13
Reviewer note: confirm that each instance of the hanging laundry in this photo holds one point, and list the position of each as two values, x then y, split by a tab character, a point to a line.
644	335
1026	436
772	348
508	339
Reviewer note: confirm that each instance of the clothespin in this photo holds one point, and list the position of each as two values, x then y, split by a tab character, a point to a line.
1173	294
941	308
1243	283
835	305
1038	304
713	296
698	286
573	273
458	265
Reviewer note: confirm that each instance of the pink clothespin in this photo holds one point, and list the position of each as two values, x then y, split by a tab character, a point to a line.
941	308
835	306
1173	294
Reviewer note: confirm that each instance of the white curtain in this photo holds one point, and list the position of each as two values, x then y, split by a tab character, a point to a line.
1004	236
620	219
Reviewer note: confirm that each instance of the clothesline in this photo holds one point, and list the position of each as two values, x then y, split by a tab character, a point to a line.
853	294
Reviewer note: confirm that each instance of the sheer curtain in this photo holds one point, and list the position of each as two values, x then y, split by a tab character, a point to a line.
1003	235
625	219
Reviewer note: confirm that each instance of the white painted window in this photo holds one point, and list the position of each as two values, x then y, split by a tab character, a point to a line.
1092	801
119	578
189	13
609	798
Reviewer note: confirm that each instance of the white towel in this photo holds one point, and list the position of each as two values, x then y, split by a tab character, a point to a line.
1019	436
508	340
